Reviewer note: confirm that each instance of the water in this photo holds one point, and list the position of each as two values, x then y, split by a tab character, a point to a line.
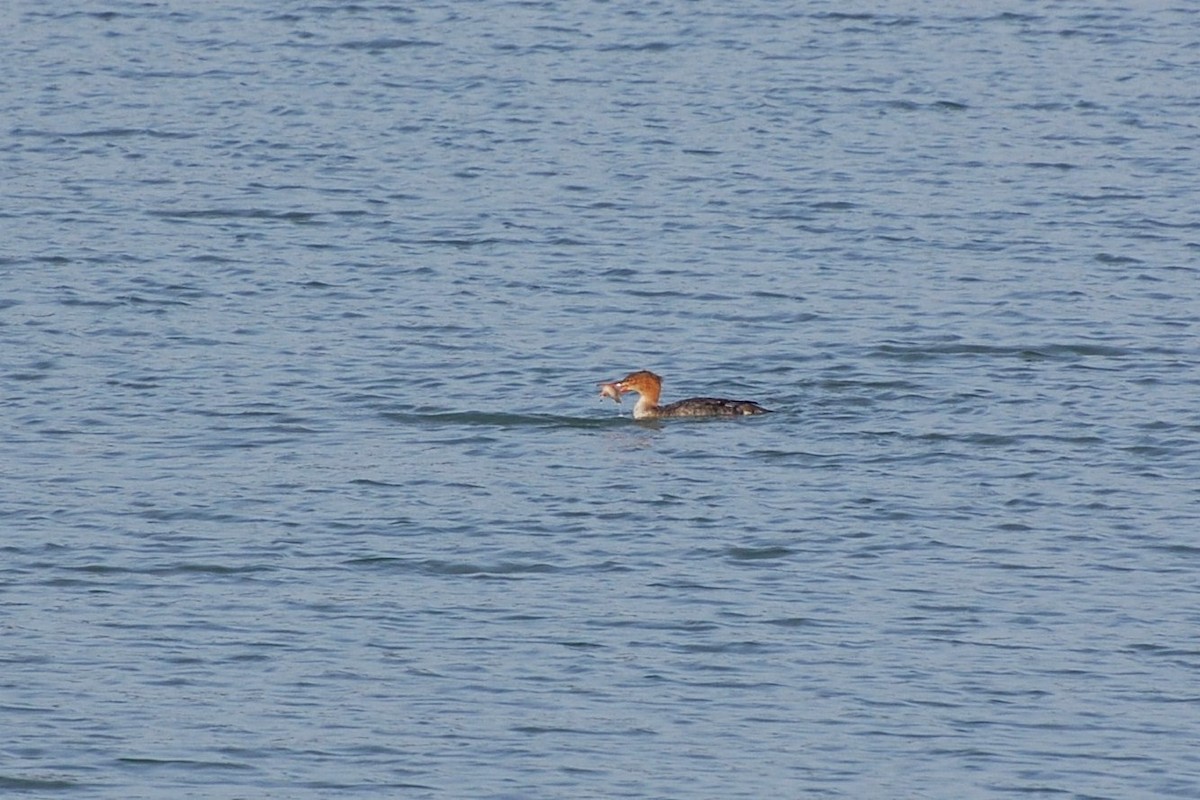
306	489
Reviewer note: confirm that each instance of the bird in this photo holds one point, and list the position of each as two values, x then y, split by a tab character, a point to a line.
648	387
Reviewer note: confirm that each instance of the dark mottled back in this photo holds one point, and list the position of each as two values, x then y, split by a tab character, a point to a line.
712	407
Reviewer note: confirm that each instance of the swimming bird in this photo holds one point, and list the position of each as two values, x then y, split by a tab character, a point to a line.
648	387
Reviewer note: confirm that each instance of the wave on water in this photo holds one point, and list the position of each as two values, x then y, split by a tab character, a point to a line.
494	419
1023	352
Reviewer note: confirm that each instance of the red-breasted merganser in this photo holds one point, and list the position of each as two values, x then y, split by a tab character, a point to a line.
648	386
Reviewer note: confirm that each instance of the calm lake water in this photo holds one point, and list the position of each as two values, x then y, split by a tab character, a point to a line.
307	490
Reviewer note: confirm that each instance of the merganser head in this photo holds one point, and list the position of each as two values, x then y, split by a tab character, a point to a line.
643	382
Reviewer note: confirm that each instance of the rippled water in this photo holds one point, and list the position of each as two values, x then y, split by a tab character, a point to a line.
307	489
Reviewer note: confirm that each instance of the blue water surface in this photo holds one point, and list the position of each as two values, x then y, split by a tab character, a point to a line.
306	488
